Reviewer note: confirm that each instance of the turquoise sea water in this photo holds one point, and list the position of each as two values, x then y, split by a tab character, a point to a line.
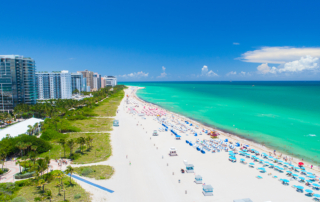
282	115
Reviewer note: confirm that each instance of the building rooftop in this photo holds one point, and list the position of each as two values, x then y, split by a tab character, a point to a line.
15	57
19	128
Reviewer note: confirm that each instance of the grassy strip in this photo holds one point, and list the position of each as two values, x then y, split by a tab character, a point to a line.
108	107
100	150
72	191
99	172
94	124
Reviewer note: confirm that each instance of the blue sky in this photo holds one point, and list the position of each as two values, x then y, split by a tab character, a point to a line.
168	40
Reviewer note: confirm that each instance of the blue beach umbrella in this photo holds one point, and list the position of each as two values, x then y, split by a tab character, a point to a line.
315	185
271	164
263	169
302	178
295	175
309	173
303	168
316	195
299	187
285	180
311	177
242	159
308	191
251	164
244	150
289	171
296	168
309	181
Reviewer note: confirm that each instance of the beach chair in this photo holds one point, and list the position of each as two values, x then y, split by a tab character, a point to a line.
259	177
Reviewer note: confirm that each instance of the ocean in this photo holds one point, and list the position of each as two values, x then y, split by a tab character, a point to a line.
284	116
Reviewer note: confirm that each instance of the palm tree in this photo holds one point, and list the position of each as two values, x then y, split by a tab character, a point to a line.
42	165
71	144
59	175
69	170
20	146
3	156
81	141
28	144
41	183
63	142
30	130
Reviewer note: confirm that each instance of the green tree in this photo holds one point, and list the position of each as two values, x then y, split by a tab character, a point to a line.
71	144
81	141
63	143
69	170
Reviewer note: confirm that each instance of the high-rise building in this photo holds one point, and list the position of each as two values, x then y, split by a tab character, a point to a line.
96	81
110	81
84	84
66	87
89	76
54	85
17	81
103	83
77	80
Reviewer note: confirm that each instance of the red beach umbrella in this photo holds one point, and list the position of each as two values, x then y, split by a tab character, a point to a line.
301	164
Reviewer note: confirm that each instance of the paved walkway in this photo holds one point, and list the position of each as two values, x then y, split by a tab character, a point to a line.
90	183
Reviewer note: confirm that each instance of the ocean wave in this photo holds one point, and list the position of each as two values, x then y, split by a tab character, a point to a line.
312	135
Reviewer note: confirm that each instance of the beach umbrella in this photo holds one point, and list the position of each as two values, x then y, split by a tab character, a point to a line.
244	150
296	168
271	164
289	171
309	181
262	169
242	159
281	168
316	195
309	173
295	175
251	164
308	191
300	163
302	168
302	178
285	180
315	185
299	187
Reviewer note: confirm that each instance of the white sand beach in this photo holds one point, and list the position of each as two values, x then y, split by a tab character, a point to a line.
154	175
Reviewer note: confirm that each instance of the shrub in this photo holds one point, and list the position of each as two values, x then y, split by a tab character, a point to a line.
19	199
102	178
22	183
51	134
23	176
77	196
86	171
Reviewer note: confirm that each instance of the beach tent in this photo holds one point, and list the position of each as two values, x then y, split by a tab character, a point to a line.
189	168
207	190
198	179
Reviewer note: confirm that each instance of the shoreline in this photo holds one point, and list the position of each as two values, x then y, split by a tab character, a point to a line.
235	137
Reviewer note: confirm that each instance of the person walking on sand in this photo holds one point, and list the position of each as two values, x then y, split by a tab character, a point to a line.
129	163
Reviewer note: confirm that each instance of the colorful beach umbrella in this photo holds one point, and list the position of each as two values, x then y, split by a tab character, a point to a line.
300	163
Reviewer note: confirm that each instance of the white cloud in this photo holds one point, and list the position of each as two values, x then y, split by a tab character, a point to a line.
231	73
278	55
243	73
236	43
163	74
205	72
304	63
135	75
264	69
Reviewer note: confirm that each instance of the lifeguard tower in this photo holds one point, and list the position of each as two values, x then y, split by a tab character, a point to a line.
116	123
173	152
207	190
198	179
190	168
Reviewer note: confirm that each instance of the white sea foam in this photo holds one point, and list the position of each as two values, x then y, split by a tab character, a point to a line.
312	135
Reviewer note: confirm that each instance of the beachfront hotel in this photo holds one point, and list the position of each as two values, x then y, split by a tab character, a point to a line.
54	85
17	81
